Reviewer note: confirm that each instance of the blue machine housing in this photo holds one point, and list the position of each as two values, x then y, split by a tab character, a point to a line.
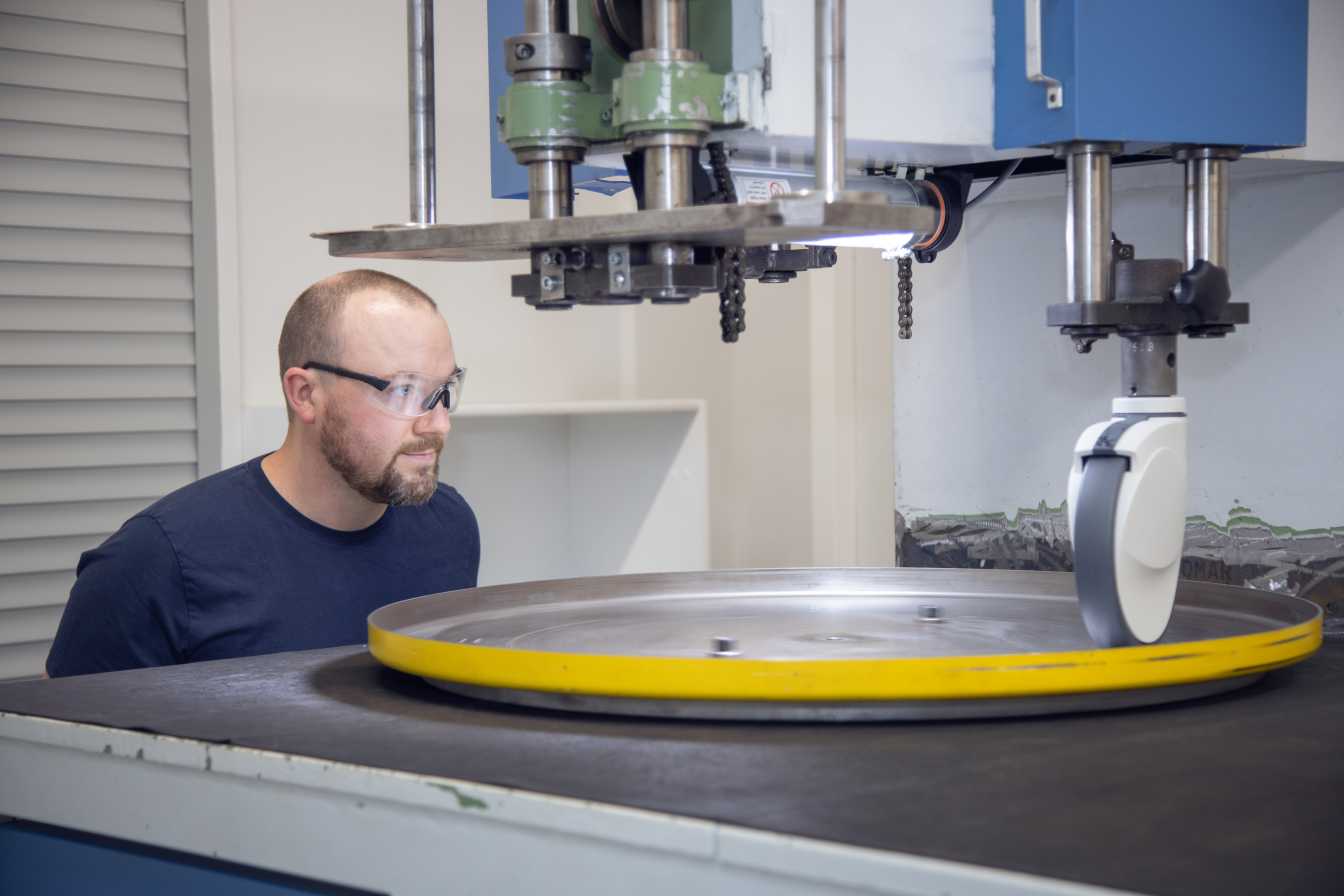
1220	72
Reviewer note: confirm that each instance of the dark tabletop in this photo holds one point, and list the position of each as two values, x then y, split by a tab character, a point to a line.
1242	793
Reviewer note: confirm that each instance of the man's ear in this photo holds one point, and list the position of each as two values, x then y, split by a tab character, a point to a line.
299	386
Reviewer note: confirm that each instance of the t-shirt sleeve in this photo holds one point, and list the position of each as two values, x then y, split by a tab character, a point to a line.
127	609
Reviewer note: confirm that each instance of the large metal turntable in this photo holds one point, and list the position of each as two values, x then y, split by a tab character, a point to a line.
829	644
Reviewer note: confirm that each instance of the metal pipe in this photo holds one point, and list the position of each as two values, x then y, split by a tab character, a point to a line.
1148	365
1206	211
550	177
1087	236
550	189
666	26
545	16
420	43
830	96
667	176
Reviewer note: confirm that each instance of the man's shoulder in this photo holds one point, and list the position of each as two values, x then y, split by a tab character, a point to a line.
206	495
448	503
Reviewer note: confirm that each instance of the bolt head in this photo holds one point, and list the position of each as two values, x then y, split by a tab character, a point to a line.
523	51
930	613
548	283
615	258
619	279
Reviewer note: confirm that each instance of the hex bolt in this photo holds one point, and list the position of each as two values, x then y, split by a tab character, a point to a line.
523	51
548	282
619	279
615	257
930	613
553	258
724	646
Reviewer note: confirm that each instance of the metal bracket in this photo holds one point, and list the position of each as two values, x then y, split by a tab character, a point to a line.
618	269
551	267
1054	90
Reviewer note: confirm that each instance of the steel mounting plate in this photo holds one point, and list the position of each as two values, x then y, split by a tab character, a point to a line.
792	219
829	644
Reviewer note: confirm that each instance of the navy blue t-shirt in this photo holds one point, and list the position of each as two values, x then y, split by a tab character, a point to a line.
226	567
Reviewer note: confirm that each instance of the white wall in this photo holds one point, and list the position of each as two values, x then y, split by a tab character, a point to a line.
989	400
798	413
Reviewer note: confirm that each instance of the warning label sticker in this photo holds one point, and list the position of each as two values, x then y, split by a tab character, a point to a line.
760	189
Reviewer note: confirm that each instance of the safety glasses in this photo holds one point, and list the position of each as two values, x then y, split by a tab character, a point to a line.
406	394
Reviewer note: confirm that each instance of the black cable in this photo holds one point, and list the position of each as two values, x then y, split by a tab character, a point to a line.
1006	173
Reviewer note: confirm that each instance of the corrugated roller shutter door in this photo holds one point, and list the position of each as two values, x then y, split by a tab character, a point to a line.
97	357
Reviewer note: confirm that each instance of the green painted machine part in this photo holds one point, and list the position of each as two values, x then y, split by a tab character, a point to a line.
618	99
667	96
554	114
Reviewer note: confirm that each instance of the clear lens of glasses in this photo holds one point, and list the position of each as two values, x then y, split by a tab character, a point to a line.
413	394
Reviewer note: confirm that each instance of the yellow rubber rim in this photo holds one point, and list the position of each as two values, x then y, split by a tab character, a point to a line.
938	678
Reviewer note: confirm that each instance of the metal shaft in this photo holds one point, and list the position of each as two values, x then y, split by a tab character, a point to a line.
1206	211
420	43
545	16
830	96
1148	365
550	189
667	176
666	26
1087	237
550	179
667	155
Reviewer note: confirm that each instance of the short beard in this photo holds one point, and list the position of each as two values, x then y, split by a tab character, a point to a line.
342	449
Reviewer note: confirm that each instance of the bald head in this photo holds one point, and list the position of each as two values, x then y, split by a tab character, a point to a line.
312	330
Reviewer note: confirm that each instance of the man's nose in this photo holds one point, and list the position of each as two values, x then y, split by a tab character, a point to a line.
437	420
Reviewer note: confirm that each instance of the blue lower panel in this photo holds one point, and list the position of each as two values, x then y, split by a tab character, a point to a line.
40	860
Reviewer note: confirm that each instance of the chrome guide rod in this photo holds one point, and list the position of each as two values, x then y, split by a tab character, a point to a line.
1087	236
545	16
420	44
1206	210
830	97
665	24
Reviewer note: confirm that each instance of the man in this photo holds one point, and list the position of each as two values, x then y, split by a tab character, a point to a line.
293	550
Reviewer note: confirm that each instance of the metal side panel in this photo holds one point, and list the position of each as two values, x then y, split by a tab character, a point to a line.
407	833
789	220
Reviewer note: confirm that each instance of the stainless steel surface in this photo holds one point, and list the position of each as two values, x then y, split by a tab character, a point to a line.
830	96
819	614
544	16
420	42
1054	91
795	220
667	177
1087	235
550	189
1206	211
666	26
1148	365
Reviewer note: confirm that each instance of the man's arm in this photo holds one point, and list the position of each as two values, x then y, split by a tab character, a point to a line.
127	609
